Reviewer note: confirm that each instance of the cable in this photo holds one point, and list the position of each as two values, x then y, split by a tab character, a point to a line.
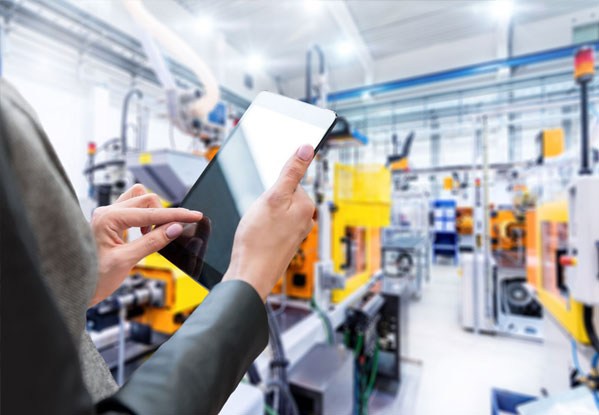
375	364
283	387
325	320
370	385
279	362
270	410
124	114
254	375
588	325
575	358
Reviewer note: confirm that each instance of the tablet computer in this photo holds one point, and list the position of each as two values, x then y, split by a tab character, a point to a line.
248	163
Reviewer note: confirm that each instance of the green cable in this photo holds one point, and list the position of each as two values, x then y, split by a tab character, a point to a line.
373	370
358	345
270	410
320	313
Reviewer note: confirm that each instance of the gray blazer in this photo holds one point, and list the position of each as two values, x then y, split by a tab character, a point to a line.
49	274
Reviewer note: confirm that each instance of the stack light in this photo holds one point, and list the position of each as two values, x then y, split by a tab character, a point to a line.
584	65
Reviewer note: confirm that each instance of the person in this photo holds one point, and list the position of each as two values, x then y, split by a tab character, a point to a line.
54	265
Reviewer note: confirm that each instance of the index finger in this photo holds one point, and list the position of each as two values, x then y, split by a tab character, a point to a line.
138	217
134	191
294	170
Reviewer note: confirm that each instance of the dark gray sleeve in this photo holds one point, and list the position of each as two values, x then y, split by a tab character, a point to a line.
196	370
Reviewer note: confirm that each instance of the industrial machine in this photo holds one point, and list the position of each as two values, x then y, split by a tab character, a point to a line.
406	243
362	203
563	268
495	295
463	224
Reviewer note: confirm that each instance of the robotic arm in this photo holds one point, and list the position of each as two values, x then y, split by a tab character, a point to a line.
186	110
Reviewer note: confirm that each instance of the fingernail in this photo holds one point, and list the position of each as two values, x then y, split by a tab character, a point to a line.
305	152
174	230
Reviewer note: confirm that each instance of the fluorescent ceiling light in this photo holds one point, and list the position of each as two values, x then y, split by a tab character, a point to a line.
205	24
255	62
345	48
503	9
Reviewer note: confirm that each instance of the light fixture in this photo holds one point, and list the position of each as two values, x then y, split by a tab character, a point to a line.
205	24
312	6
255	62
503	9
345	48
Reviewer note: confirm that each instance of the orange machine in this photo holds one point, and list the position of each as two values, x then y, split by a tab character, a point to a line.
508	232
464	220
299	277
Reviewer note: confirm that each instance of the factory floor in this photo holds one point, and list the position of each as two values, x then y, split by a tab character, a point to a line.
447	370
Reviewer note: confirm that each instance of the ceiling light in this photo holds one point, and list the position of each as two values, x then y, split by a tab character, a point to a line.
345	48
312	6
255	62
205	24
503	9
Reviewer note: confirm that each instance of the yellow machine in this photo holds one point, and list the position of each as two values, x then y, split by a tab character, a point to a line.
362	199
550	143
182	294
545	269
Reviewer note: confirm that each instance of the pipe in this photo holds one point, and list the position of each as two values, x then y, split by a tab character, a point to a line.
309	75
585	168
124	114
120	374
471	70
180	51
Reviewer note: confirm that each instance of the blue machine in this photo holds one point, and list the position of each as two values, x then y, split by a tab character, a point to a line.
445	236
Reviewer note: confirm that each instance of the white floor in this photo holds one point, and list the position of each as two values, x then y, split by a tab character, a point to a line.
459	368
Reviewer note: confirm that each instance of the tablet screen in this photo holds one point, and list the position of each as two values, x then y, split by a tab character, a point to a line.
248	163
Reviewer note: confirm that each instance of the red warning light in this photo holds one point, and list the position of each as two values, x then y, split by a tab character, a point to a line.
584	64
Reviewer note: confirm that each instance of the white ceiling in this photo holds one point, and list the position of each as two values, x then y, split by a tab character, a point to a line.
281	31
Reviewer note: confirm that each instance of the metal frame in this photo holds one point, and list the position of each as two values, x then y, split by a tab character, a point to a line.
466	71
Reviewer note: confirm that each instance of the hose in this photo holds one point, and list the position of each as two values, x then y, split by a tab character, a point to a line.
375	365
253	374
279	363
575	358
124	114
589	327
325	320
179	50
284	387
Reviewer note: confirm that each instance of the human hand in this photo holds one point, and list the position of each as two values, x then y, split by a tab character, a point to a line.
272	229
135	208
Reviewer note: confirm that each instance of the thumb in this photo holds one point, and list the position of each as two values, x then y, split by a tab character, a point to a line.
294	170
153	241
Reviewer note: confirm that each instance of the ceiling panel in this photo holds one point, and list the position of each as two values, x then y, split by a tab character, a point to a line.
282	31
